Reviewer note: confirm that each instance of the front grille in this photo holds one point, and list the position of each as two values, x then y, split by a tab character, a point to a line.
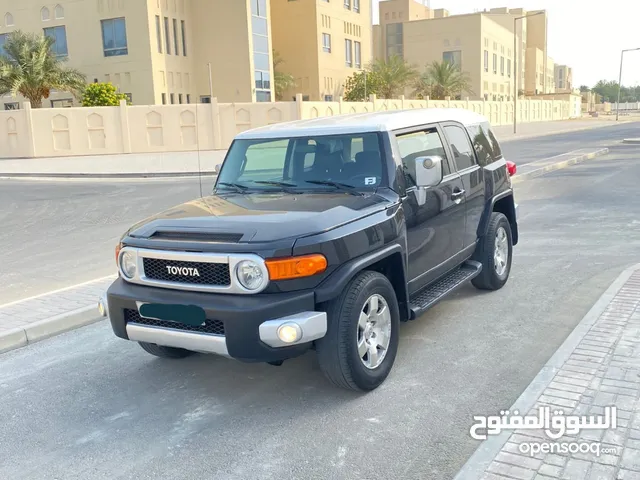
216	274
212	327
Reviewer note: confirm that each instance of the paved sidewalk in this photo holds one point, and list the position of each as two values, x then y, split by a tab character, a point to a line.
598	366
36	318
169	164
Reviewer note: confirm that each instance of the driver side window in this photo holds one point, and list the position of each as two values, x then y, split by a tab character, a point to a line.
425	143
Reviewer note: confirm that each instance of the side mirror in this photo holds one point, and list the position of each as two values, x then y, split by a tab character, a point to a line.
217	168
428	171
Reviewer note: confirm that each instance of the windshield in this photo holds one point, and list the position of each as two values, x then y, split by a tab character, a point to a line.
304	163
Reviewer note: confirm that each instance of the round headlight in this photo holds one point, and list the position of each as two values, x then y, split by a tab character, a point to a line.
250	275
128	264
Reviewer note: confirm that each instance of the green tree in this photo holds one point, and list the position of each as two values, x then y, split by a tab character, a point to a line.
102	95
394	76
443	79
282	81
31	69
584	88
358	88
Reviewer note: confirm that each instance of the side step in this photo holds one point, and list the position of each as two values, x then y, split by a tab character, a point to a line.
424	299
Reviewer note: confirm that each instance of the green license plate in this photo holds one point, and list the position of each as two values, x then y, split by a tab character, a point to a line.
186	314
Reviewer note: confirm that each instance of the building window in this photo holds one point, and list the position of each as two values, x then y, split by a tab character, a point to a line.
12	106
262	96
261	50
59	36
176	47
8	20
259	8
453	57
502	66
3	39
348	52
164	98
184	39
188	98
347	4
167	35
328	98
358	54
180	98
486	60
356	6
159	33
58	12
326	42
114	37
45	14
495	63
263	80
509	67
205	99
173	98
394	34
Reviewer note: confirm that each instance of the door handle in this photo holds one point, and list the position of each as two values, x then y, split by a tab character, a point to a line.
457	195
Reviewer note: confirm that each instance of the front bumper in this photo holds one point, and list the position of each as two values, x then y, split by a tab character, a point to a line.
243	327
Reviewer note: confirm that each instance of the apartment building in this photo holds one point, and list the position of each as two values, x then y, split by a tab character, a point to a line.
495	47
321	44
156	51
564	79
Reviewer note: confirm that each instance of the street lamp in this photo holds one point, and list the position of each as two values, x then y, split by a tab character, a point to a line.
515	63
620	80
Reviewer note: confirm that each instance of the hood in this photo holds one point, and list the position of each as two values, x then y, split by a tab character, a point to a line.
257	217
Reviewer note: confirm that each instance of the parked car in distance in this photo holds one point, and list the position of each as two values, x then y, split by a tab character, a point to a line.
323	235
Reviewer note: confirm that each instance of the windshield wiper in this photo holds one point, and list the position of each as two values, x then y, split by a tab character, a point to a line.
238	186
340	186
285	186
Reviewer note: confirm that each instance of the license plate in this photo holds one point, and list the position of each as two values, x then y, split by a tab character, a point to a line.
186	314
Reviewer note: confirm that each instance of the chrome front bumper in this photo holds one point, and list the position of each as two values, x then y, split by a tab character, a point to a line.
311	325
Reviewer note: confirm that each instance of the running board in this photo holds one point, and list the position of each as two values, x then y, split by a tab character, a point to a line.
424	299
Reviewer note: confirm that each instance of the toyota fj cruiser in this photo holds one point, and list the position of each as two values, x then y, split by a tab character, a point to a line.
321	234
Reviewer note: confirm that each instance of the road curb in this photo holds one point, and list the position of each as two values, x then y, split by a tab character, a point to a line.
558	165
632	141
104	176
476	465
50	327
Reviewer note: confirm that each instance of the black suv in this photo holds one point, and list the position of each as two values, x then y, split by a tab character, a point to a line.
321	234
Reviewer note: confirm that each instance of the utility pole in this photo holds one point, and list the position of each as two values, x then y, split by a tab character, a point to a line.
620	80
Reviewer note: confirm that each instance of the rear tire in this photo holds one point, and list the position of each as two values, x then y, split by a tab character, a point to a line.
362	322
165	352
494	252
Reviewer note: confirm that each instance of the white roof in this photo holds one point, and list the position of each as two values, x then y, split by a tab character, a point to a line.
383	121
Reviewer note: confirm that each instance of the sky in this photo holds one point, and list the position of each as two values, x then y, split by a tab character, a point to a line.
587	35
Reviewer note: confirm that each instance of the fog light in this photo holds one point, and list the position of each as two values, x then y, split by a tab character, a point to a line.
289	332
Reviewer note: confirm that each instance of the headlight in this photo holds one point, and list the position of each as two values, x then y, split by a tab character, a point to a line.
250	275
128	264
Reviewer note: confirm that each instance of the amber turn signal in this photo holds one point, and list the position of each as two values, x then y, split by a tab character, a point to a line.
296	267
118	248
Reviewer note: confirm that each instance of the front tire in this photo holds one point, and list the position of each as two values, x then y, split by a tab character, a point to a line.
361	343
495	252
165	352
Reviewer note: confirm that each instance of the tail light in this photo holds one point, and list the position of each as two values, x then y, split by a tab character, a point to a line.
511	168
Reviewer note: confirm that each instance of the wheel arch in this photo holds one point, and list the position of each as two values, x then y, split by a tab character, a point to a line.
505	204
389	261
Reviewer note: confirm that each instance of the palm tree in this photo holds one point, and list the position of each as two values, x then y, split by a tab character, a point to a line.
443	79
30	68
282	81
394	75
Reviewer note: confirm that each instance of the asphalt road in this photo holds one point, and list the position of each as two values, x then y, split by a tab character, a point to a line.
57	234
86	405
528	150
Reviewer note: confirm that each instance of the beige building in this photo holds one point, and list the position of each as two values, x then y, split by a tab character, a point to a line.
156	51
564	79
482	43
321	43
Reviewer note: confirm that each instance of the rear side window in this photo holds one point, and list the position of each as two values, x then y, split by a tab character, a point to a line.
485	143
